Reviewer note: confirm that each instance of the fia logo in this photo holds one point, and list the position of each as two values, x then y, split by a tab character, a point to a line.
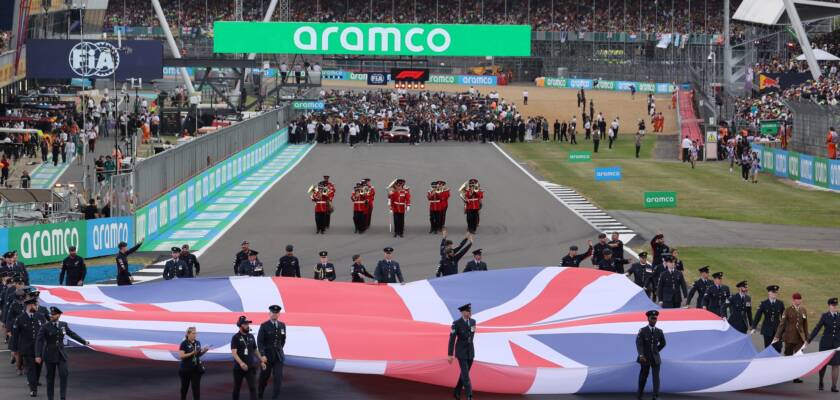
94	59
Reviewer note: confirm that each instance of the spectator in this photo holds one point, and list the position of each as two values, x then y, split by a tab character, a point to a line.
4	170
25	180
832	140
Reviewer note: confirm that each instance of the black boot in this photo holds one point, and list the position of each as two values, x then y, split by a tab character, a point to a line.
821	387
834	388
797	380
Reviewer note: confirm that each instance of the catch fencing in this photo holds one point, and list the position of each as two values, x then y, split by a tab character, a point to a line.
811	123
156	175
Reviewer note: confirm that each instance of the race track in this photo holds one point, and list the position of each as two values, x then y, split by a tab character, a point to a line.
521	224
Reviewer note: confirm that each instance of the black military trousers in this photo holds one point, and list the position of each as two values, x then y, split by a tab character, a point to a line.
472	220
768	341
250	377
399	223
367	219
321	221
442	218
464	378
643	375
33	370
61	366
671	302
275	368
359	219
434	221
595	144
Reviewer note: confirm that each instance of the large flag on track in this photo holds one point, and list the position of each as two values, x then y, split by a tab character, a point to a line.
540	329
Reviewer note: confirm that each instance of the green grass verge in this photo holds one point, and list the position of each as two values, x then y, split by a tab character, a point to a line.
709	191
806	272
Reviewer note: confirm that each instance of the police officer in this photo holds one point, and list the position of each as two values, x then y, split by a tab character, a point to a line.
22	344
461	347
700	286
252	266
191	262
289	266
241	256
123	274
247	358
73	267
174	267
716	295
739	309
649	343
49	349
772	310
573	259
642	273
358	270
270	340
324	270
830	340
671	288
476	264
388	270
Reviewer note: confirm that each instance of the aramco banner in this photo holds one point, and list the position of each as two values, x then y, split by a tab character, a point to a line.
45	243
372	39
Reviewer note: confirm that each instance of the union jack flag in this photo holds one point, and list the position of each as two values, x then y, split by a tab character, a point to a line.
541	330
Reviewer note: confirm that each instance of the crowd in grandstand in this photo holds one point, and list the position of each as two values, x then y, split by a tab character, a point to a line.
633	16
4	41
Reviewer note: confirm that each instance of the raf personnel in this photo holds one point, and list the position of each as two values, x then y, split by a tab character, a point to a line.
174	267
25	332
358	270
289	266
476	264
671	288
739	308
73	268
642	273
573	259
399	198
388	270
49	349
700	286
830	340
241	256
461	338
449	257
324	269
649	343
270	341
190	261
772	310
13	265
716	295
793	328
123	274
252	266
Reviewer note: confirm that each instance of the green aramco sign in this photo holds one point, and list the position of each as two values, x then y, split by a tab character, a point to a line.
372	39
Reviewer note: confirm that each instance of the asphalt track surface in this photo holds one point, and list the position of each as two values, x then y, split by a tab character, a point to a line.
521	225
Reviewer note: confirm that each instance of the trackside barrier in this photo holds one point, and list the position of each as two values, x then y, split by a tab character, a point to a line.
817	171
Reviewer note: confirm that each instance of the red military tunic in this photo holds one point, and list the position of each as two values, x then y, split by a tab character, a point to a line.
474	198
370	197
400	201
444	200
321	202
434	200
359	202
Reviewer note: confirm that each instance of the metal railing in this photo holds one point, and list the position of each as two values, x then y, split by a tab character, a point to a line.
156	175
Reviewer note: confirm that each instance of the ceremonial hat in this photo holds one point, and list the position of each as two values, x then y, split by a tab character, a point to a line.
717	275
465	307
388	250
797	296
400	181
704	269
176	249
643	254
323	253
652	313
667	257
33	300
7	254
290	247
477	252
832	301
55	310
773	288
275	308
741	284
253	253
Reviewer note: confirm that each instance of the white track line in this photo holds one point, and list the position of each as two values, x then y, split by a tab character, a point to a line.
560	193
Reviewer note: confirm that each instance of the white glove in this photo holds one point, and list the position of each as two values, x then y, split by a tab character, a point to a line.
752	331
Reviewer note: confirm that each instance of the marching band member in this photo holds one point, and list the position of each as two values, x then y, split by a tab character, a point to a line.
320	196
472	195
399	198
360	201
